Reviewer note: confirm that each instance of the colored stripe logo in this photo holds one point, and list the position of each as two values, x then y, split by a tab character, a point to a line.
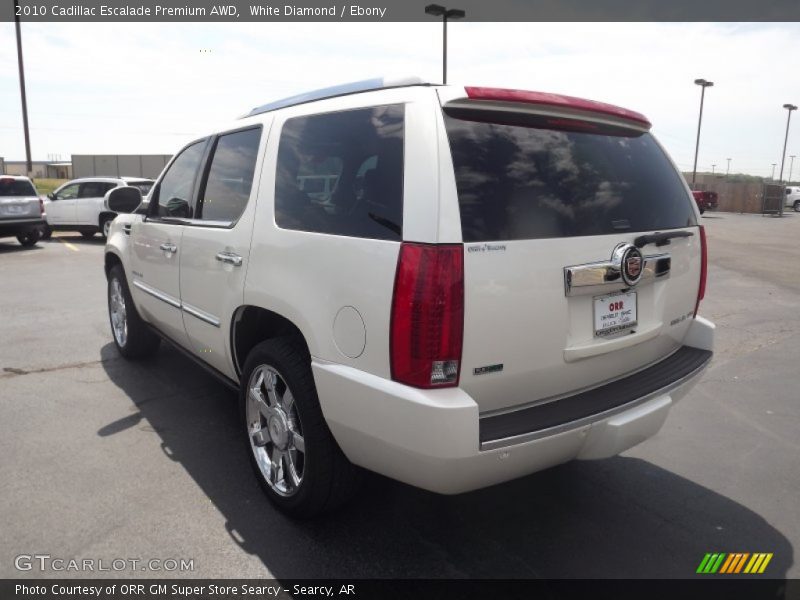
734	562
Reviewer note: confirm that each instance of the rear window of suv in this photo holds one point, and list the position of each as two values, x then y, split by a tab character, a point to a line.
16	187
532	177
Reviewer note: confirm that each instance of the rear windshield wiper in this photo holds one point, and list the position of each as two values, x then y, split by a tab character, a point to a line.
390	225
660	239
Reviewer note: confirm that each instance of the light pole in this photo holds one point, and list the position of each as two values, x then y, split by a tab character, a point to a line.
789	108
713	168
728	170
703	85
446	13
772	177
28	165
791	166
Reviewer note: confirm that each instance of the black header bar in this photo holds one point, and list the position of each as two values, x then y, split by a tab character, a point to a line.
227	11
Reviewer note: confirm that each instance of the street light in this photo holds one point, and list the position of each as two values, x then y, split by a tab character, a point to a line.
772	177
791	165
446	13
713	168
728	170
789	108
703	85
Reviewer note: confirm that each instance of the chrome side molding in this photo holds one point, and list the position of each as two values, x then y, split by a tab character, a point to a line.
606	276
174	302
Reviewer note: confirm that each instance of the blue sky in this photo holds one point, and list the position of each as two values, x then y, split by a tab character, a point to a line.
150	88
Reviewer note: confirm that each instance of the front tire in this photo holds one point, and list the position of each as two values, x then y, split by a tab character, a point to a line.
29	238
797	206
131	335
293	454
105	227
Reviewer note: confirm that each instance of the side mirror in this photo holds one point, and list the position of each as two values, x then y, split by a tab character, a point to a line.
51	196
125	199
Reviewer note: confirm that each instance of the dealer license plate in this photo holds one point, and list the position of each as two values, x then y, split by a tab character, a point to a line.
614	313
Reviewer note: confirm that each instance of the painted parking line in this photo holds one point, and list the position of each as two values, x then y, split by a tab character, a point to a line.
69	245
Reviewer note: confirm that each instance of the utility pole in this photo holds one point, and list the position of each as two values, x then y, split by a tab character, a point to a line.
728	170
713	168
28	164
789	108
772	177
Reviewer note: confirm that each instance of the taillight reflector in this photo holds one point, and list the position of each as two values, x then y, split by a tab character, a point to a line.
506	95
427	325
701	290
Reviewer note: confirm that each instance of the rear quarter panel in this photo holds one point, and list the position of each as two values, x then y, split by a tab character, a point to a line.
309	277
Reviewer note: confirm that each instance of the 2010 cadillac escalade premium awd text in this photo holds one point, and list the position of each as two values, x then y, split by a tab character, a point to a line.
450	286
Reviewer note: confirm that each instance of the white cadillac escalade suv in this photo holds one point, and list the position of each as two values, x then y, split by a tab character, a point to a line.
450	286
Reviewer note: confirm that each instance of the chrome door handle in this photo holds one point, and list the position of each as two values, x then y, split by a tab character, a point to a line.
230	258
169	247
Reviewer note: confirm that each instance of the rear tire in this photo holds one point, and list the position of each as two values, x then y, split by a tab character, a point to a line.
29	238
702	210
132	336
797	206
47	232
293	454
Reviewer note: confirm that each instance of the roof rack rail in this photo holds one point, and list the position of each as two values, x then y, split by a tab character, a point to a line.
378	83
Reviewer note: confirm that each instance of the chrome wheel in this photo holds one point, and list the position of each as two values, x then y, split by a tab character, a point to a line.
106	227
275	431
119	319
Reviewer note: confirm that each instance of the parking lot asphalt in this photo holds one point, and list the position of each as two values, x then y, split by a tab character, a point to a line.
102	458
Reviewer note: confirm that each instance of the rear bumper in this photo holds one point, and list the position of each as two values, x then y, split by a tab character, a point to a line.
10	227
432	438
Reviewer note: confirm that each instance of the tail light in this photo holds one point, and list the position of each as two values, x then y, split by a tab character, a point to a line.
701	290
428	315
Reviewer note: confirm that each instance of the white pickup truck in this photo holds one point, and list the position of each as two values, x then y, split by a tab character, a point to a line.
491	282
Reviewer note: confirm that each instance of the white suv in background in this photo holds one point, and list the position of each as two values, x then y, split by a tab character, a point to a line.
79	205
793	198
450	286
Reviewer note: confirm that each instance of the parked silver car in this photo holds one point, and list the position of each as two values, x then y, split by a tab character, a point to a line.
21	210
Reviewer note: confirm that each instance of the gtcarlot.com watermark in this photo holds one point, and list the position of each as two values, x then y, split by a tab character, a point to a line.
46	562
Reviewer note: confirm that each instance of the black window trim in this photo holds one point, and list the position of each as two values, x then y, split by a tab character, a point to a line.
153	206
208	158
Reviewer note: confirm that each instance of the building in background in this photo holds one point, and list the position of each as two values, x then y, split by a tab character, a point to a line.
119	165
40	169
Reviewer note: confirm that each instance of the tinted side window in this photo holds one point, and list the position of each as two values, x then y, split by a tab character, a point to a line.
95	189
342	173
174	194
529	182
230	177
69	192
